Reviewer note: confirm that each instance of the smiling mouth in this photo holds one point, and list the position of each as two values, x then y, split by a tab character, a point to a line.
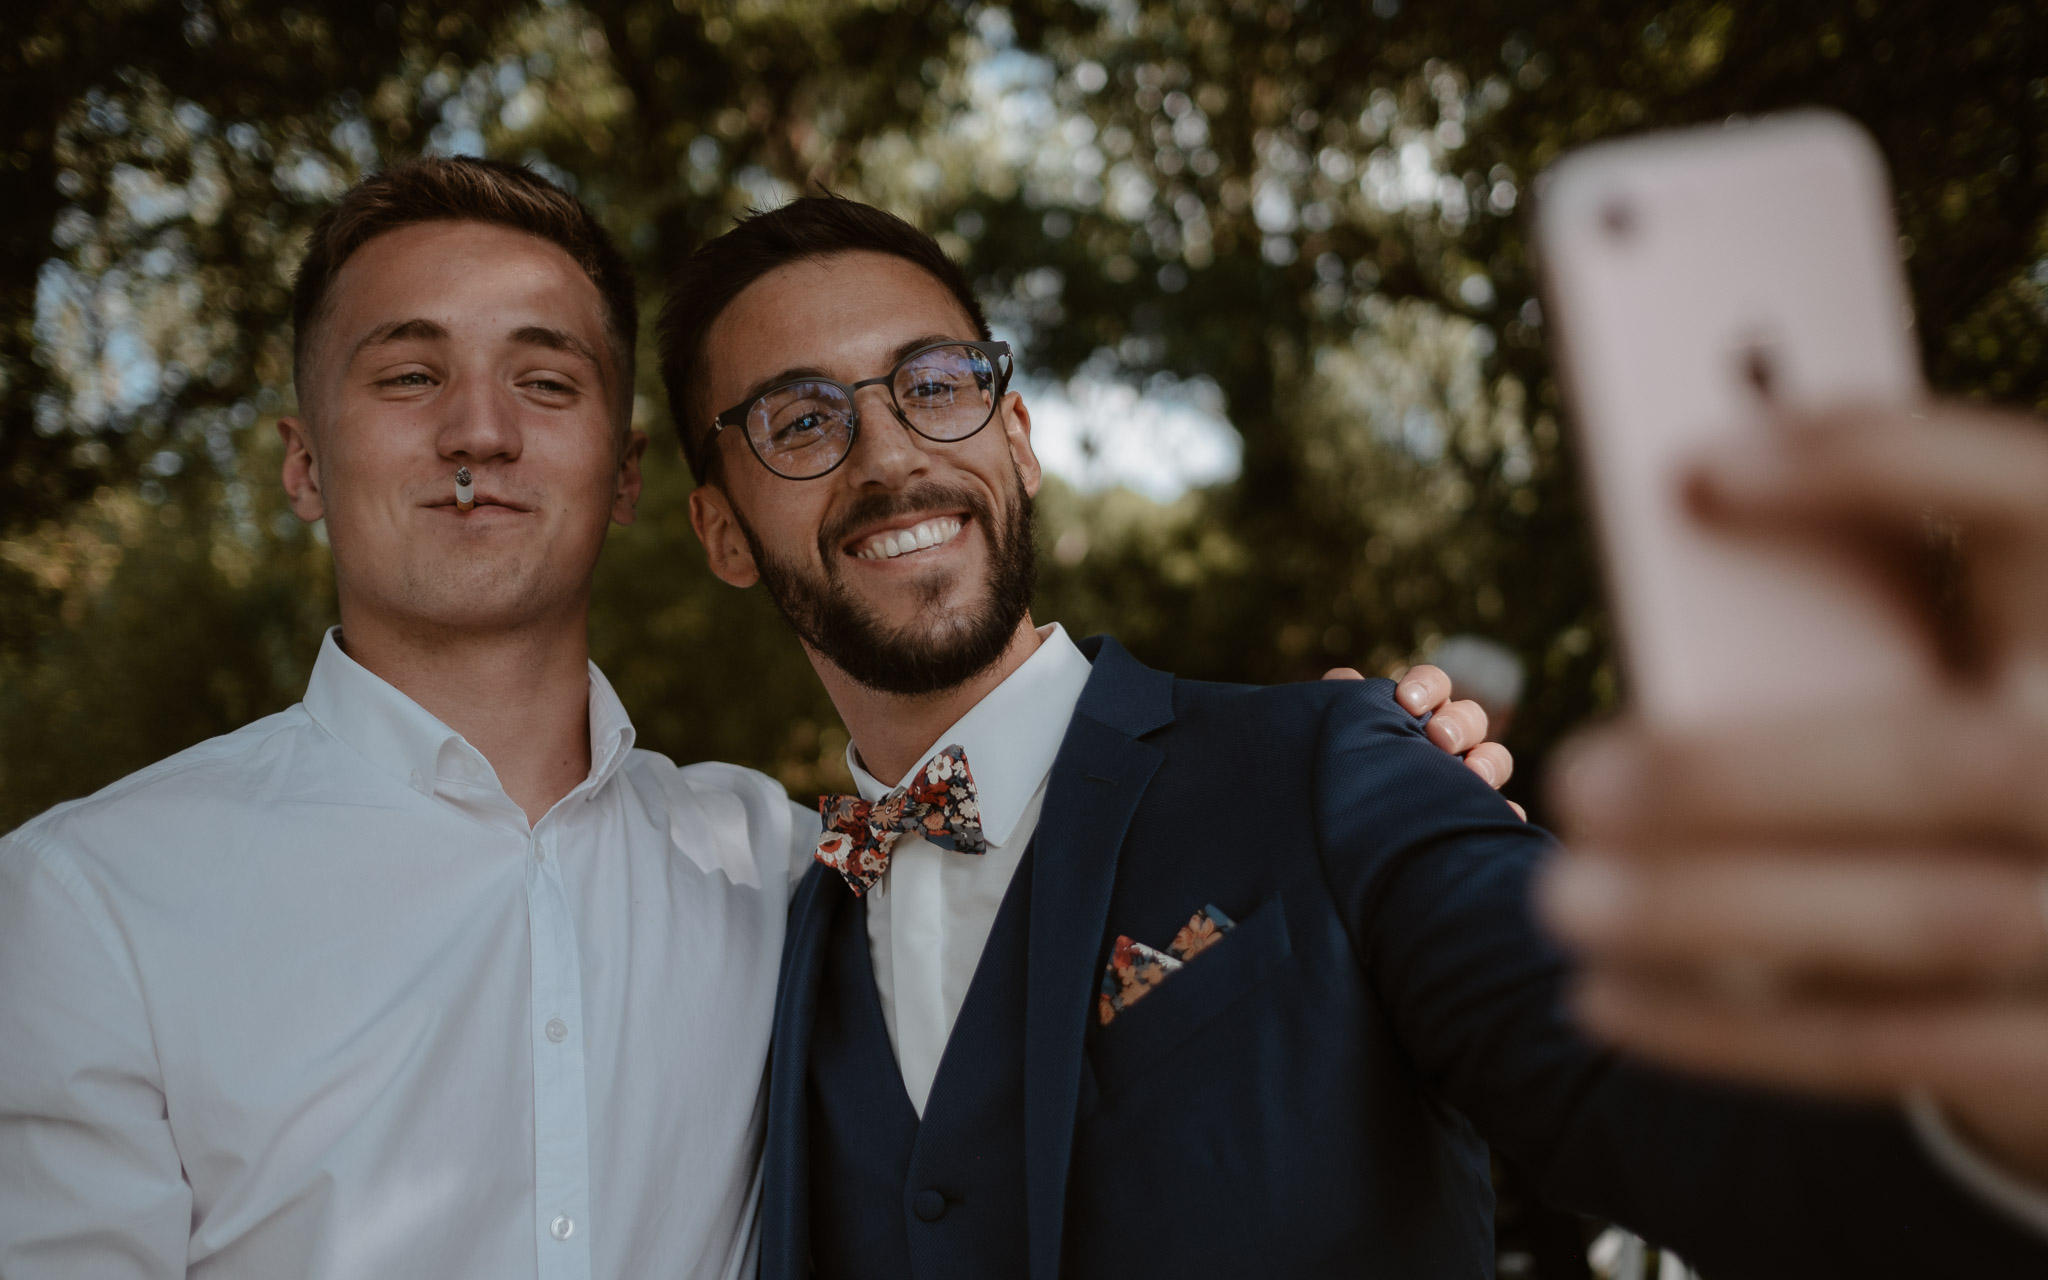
892	543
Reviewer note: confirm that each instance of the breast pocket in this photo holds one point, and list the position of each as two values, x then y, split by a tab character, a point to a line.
1184	1003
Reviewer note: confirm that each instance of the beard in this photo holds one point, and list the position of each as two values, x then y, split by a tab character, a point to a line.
944	648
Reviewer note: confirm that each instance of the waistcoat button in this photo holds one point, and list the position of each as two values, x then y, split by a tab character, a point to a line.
929	1205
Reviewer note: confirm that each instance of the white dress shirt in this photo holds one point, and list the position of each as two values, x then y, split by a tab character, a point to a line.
313	999
930	914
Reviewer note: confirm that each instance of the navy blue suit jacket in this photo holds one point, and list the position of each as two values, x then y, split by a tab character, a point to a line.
1314	1094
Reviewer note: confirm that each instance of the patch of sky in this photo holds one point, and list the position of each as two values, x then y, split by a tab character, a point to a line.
1273	206
353	137
995	27
193	119
764	190
133	376
1128	192
1159	438
146	198
1421	433
510	77
1402	178
523	109
546	168
243	137
308	175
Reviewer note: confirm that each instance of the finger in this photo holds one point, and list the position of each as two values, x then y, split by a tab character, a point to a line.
1520	812
1492	762
1979	466
1892	918
1457	727
1967	1048
1871	480
1890	771
1343	673
1423	689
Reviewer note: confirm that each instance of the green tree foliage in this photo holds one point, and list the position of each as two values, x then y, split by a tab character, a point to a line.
1312	214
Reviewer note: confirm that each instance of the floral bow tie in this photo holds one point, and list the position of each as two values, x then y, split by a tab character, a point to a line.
939	804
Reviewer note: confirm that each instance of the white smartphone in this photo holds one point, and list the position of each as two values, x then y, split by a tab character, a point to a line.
1695	284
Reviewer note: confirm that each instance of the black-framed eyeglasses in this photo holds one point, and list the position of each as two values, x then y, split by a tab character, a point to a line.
804	428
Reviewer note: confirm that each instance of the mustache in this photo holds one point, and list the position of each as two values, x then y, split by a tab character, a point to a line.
875	507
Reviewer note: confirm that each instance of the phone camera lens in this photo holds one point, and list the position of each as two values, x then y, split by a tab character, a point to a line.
1760	370
1618	219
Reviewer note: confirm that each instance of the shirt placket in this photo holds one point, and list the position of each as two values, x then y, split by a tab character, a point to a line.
917	924
561	1138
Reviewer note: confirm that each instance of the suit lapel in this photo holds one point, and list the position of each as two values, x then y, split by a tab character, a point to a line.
785	1178
1096	785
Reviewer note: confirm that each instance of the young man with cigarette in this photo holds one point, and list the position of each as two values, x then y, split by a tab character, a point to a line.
432	974
393	982
1108	973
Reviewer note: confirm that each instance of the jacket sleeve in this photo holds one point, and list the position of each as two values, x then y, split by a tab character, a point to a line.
1431	873
90	1181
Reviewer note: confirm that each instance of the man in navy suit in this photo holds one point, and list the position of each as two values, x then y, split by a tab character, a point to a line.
1109	973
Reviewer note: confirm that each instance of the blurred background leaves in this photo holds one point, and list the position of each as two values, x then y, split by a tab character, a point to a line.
1266	264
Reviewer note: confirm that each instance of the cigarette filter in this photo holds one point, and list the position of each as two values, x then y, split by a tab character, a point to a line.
465	492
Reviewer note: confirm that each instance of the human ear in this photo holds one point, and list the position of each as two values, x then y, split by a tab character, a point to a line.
301	472
718	528
1017	428
626	498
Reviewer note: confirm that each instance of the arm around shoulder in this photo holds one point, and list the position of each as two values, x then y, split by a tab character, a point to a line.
1386	795
90	1179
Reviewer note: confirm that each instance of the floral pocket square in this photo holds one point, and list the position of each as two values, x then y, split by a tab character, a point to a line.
1135	968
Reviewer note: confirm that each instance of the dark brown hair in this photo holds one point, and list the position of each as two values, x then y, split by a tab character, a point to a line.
721	269
463	189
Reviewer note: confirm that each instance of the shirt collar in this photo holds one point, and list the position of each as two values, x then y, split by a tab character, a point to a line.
403	740
1011	736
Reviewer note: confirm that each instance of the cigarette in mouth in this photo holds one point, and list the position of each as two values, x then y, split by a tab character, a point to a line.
465	493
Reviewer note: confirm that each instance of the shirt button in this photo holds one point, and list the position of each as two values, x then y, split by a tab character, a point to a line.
929	1205
562	1227
558	1030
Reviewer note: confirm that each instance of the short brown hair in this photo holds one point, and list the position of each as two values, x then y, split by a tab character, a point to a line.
464	189
720	270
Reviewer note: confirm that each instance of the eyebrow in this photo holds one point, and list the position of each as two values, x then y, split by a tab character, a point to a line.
421	330
799	372
534	335
400	331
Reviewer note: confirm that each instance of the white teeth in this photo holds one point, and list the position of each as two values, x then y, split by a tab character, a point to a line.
887	546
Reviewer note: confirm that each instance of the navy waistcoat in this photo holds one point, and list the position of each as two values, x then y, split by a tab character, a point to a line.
893	1197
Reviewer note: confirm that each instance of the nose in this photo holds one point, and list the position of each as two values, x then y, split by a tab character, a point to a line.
479	422
886	452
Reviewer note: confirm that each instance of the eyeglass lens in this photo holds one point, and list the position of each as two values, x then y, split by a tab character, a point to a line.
803	429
